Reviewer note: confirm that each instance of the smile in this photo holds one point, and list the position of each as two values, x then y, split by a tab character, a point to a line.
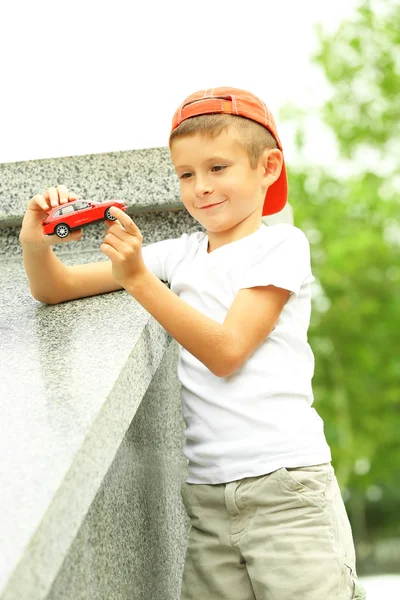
212	205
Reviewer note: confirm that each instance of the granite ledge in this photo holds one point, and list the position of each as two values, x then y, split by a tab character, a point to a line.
144	178
62	423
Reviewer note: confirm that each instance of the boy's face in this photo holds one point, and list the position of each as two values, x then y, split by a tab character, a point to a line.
218	172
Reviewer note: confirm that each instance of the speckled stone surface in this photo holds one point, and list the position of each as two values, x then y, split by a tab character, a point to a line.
154	227
72	378
133	540
144	178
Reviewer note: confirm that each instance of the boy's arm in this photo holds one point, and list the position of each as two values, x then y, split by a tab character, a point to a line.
46	273
51	281
222	348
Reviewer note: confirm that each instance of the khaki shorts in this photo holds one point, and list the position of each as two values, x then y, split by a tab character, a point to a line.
281	536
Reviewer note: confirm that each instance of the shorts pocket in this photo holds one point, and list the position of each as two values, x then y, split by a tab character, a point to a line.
190	497
311	482
183	492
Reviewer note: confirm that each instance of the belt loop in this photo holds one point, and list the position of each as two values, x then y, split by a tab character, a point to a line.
230	491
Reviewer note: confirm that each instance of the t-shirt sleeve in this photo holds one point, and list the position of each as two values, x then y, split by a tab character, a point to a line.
284	262
161	258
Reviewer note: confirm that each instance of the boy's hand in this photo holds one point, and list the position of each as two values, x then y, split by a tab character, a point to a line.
123	245
31	233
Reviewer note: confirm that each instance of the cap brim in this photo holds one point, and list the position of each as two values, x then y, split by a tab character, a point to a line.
277	194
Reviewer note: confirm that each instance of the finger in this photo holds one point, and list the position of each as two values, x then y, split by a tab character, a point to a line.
118	243
63	193
46	196
113	224
126	221
40	201
73	236
53	194
118	231
109	251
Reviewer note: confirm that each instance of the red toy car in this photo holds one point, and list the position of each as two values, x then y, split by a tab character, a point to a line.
63	219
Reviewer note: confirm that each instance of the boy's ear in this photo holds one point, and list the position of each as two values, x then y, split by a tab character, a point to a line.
272	162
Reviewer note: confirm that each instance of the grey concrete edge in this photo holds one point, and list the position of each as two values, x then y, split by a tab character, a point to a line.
16	220
36	571
145	178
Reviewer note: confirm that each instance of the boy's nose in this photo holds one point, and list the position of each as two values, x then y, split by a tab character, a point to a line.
203	187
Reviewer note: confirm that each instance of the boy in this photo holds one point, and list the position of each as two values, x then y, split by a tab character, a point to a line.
267	518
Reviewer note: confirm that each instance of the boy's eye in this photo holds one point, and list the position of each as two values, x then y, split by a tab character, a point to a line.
216	168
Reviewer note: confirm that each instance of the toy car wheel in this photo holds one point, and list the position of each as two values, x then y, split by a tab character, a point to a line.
109	216
62	230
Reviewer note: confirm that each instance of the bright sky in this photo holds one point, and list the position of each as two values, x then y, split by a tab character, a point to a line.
83	77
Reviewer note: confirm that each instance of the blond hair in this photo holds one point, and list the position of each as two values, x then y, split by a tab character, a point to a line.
252	136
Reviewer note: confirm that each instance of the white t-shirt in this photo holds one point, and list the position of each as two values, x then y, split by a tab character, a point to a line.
260	418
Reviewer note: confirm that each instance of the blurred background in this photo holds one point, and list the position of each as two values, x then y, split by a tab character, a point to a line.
92	78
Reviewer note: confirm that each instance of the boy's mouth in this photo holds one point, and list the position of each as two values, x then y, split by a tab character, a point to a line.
211	205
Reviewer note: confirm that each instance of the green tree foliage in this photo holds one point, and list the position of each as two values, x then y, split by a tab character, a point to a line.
362	62
353	227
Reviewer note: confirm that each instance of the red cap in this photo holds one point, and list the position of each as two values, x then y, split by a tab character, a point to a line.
233	101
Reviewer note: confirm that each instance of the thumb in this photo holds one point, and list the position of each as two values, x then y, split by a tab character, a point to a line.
53	240
72	237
